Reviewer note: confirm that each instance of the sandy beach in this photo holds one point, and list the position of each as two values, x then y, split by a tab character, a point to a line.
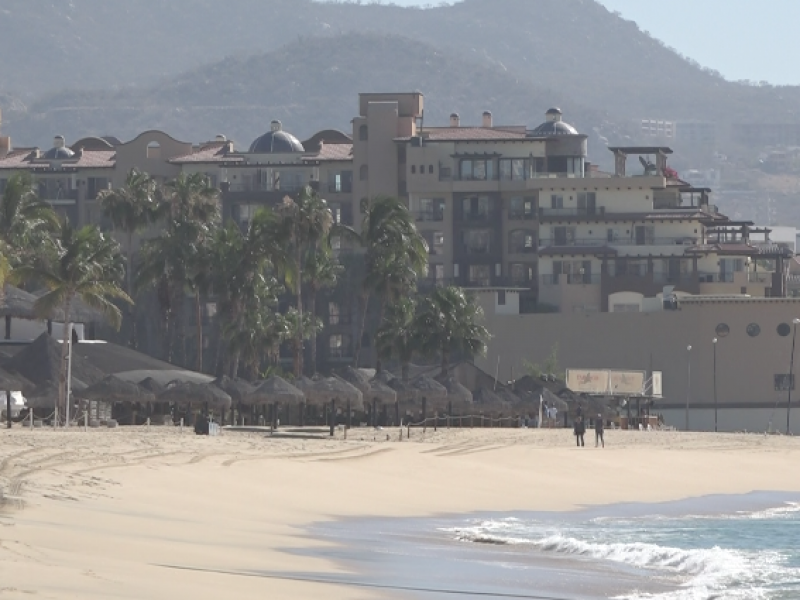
111	513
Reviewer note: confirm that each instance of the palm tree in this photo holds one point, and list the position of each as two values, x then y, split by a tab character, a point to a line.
24	219
190	198
396	335
301	326
321	271
303	223
84	264
131	209
393	248
448	323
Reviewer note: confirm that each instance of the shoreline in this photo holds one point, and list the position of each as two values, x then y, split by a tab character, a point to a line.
100	509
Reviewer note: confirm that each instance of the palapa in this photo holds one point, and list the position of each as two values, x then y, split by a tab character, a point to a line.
113	389
45	395
14	382
355	377
187	392
333	388
430	389
275	389
151	385
380	391
405	392
486	396
238	389
17	303
40	361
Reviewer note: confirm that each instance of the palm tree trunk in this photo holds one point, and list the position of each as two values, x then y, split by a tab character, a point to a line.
378	361
62	375
404	372
235	365
363	324
131	307
199	317
445	361
312	310
298	356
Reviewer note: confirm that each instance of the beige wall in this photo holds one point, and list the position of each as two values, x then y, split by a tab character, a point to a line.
134	154
638	341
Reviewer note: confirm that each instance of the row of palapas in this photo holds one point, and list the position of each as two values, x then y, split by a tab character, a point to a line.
351	386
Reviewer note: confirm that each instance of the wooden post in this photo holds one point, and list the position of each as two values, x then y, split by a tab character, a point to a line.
302	414
408	431
374	412
86	421
8	327
8	409
436	420
349	421
397	411
333	416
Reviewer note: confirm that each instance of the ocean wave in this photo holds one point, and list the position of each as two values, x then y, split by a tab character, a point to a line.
787	511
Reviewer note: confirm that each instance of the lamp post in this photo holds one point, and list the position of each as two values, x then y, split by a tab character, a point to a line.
688	381
795	321
714	341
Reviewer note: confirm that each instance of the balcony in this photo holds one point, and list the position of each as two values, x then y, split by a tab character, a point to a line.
262	186
476	249
480	215
422	216
597	211
344	187
594	242
569	279
521	215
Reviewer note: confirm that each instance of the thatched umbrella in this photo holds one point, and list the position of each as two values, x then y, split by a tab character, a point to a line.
40	361
355	377
275	389
46	393
238	389
486	396
12	383
378	392
113	389
151	385
17	304
190	393
405	391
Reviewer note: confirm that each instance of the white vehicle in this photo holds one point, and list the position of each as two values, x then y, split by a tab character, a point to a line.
17	404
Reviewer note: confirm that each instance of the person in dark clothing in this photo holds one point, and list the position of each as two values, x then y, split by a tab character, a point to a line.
598	431
579	429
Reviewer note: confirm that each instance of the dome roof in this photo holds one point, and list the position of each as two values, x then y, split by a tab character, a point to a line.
276	141
59	151
553	125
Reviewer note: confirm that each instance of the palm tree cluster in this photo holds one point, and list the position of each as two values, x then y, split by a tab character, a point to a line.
263	278
40	250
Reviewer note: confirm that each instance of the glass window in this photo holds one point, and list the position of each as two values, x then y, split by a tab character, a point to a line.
784	329
466	169
413	169
430	169
556	201
333	313
363	172
363	133
477	241
722	330
472	169
480	275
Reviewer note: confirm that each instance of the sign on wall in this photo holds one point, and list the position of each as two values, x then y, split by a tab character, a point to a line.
612	383
588	381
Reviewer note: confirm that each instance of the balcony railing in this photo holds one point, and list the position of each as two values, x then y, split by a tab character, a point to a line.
429	215
653	241
341	188
521	215
476	249
572	212
261	186
570	279
521	249
480	215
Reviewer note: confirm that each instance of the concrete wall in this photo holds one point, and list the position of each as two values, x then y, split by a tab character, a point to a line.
746	365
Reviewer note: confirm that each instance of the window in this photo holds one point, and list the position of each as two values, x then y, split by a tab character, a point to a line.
476	241
501	298
247	212
521	273
521	241
341	182
430	169
333	313
336	212
413	169
514	169
753	329
784	329
363	133
575	166
587	203
476	208
153	150
439	273
783	381
431	209
363	172
521	208
556	201
480	275
336	345
477	169
722	330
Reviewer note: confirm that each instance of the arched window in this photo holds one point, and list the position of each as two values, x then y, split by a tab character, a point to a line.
153	150
363	172
363	133
521	241
413	169
430	169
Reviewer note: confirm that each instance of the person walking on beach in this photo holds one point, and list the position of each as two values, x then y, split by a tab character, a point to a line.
598	431
579	429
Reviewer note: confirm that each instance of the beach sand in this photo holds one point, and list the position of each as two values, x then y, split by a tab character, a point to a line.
110	513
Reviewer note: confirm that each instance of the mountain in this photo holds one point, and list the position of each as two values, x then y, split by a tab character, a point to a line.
309	85
576	47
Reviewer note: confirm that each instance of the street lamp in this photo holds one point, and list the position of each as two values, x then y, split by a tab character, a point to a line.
795	321
688	381
714	341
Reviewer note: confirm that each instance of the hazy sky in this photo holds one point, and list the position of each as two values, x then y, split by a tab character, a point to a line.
742	39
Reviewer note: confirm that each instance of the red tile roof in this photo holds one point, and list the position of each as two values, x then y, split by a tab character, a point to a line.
332	152
213	152
88	159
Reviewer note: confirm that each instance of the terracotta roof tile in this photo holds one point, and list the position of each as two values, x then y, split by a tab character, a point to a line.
332	152
89	159
213	152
